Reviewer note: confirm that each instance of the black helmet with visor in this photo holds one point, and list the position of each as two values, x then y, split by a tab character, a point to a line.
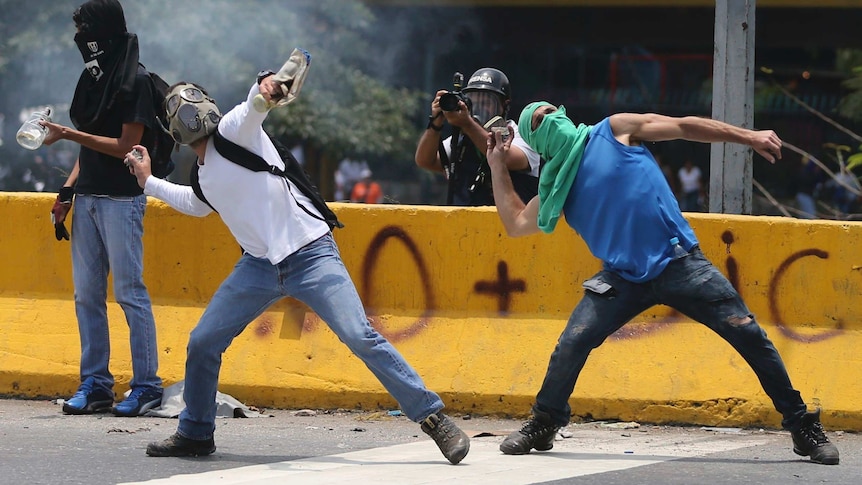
490	93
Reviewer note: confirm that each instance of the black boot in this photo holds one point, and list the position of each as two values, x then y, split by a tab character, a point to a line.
809	440
177	445
539	433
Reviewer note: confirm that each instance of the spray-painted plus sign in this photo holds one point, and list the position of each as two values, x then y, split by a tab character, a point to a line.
503	287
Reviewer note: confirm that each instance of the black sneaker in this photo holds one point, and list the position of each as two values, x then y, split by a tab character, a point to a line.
453	442
538	433
177	445
809	440
88	400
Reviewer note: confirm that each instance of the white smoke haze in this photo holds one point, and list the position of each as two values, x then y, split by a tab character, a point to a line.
222	44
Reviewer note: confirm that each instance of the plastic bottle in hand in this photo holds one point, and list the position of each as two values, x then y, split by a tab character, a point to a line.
32	133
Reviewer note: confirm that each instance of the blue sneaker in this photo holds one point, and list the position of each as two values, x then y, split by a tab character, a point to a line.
140	400
88	400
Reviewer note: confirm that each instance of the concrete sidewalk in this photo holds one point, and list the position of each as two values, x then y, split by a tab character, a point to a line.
40	445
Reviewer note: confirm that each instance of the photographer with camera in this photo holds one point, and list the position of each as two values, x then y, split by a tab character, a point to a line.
482	106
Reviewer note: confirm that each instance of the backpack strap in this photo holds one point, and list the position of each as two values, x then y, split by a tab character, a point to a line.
242	157
194	181
293	172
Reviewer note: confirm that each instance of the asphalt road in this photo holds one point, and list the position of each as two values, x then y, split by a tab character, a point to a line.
40	445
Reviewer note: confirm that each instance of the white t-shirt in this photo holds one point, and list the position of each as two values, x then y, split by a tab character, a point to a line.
689	180
260	209
352	170
532	156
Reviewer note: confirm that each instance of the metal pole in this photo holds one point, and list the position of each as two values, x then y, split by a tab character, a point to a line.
732	102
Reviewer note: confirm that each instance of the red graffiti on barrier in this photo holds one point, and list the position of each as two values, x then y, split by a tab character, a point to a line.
370	261
773	300
730	263
504	286
643	328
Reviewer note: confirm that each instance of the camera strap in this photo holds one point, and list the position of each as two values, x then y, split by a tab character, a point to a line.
452	162
444	158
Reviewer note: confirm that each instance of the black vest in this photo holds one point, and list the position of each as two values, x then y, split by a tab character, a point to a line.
471	184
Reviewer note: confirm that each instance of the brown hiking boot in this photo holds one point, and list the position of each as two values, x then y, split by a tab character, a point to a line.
453	442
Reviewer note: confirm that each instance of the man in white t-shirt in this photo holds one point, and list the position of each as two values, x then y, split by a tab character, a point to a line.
288	251
349	172
691	187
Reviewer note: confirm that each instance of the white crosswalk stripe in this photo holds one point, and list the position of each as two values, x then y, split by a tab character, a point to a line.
421	463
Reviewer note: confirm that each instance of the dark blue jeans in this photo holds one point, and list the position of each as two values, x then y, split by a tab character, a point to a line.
691	285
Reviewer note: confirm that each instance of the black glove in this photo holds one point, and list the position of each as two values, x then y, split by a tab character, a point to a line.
62	206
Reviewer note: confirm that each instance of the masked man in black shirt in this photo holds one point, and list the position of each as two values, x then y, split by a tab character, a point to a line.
112	110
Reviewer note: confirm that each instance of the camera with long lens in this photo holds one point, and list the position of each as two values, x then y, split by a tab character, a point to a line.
449	100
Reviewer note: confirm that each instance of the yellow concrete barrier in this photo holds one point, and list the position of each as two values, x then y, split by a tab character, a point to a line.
475	312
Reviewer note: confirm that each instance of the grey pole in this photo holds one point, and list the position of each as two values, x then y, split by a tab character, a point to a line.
732	102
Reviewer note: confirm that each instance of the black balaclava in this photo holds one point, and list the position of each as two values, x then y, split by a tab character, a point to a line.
110	56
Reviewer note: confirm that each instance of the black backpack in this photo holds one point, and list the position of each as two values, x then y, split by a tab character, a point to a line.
163	145
293	172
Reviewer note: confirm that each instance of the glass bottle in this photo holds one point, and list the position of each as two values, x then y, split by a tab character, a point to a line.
32	133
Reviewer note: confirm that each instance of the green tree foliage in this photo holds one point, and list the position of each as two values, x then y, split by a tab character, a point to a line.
346	108
850	61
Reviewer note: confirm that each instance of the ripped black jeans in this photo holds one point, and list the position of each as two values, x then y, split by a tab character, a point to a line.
693	286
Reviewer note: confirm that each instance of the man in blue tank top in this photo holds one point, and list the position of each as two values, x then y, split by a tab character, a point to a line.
614	195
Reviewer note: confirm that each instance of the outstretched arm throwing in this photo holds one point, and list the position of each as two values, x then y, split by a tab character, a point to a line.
632	128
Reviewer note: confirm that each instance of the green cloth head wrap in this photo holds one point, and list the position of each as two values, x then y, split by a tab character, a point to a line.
561	144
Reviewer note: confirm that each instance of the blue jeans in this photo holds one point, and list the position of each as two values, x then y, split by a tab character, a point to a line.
107	237
316	276
806	204
690	201
691	285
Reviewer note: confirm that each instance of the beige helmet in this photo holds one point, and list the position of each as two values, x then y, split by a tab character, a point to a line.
191	113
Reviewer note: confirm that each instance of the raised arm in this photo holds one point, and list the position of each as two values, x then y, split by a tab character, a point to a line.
518	219
426	149
633	128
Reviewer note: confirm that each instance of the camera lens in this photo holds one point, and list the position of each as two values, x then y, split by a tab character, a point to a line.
449	102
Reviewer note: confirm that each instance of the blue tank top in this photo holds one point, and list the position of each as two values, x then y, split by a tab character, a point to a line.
624	209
